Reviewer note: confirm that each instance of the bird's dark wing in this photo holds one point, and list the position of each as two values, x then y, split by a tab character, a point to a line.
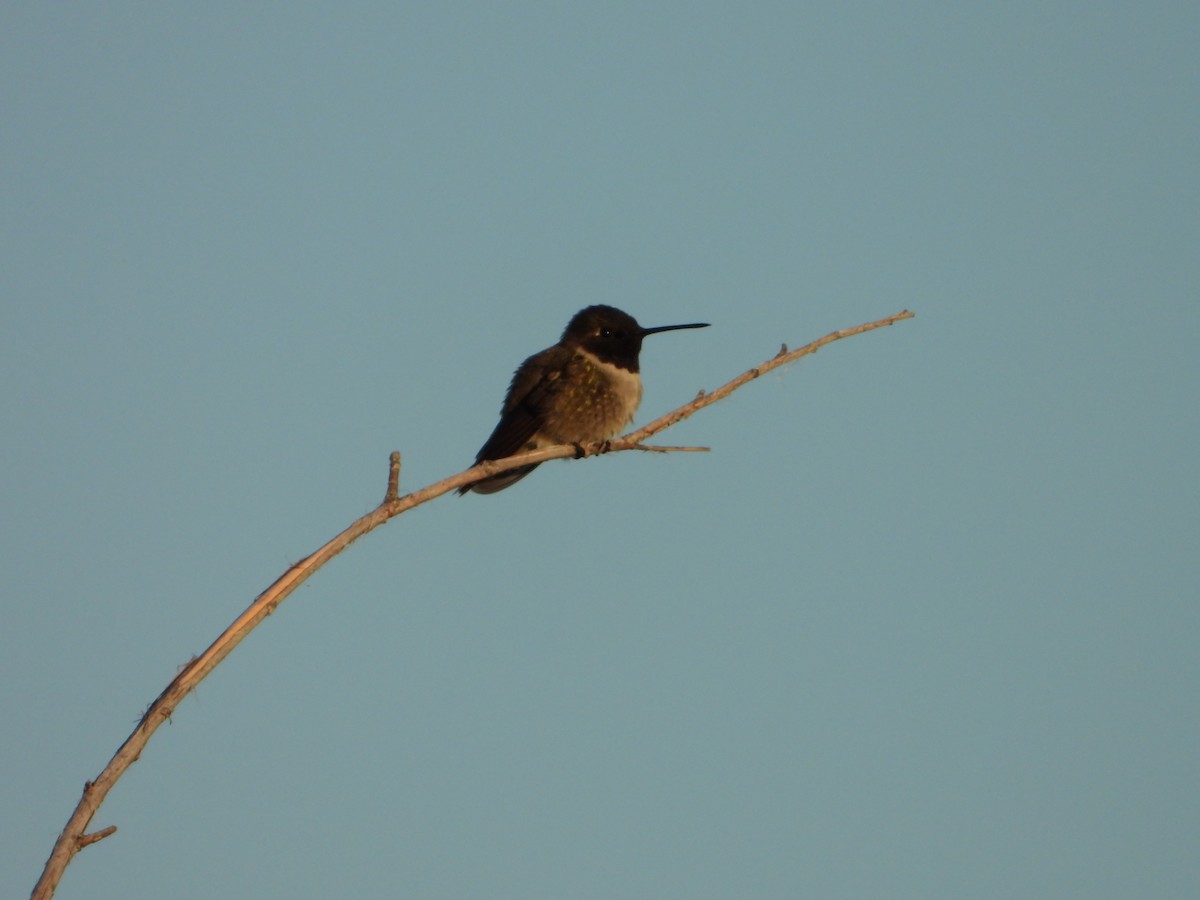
529	399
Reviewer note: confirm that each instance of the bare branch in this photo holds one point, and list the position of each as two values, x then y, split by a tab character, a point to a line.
74	837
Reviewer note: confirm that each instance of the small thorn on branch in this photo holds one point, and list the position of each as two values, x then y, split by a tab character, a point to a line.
85	839
393	487
783	350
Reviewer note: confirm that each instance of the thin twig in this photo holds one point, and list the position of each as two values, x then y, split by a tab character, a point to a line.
96	836
74	837
393	486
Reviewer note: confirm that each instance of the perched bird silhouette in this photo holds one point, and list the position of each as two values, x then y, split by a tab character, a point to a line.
585	388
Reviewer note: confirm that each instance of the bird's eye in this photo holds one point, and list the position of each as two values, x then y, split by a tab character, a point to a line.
606	332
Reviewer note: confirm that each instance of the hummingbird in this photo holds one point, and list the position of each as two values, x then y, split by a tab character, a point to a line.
585	388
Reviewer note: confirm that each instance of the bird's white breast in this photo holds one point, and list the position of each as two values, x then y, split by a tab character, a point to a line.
626	385
601	401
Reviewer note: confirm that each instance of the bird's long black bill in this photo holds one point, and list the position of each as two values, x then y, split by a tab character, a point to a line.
656	330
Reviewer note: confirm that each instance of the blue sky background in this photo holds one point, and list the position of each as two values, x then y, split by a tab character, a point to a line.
923	624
